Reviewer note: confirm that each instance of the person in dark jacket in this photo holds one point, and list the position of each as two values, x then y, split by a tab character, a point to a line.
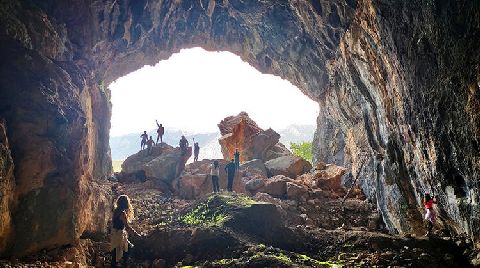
196	151
230	169
237	158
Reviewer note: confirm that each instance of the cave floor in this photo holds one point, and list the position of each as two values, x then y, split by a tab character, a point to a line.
234	230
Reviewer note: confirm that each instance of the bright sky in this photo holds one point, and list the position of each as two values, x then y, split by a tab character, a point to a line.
195	89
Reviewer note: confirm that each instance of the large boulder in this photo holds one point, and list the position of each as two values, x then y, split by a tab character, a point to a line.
276	186
253	185
277	151
296	191
163	163
288	165
330	178
242	133
254	167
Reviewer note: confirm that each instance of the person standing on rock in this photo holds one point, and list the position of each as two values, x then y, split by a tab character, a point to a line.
215	173
183	143
160	132
144	137
230	169
150	144
119	245
237	158
428	201
196	151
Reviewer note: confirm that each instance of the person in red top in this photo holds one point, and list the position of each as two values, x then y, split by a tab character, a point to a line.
428	202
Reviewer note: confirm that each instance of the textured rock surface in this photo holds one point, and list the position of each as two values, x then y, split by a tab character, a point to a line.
253	167
163	163
7	186
242	133
195	181
289	165
397	83
402	109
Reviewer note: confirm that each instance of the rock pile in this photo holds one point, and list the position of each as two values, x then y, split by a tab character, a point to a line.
163	165
242	133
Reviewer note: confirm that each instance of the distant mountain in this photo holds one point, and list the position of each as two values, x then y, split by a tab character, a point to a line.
296	134
126	145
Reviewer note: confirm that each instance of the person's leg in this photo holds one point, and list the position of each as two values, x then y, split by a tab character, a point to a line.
158	136
230	183
430	227
113	263
126	255
217	185
213	184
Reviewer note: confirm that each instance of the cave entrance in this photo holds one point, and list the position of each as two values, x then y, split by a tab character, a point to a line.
192	91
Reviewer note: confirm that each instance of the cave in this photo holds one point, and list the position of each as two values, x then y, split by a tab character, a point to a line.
383	72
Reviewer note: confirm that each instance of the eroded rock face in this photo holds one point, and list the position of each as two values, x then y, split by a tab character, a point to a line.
397	83
7	186
402	110
242	133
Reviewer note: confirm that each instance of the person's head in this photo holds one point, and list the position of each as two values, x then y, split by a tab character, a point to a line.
144	132
233	160
124	204
150	137
160	124
215	163
236	150
183	137
427	197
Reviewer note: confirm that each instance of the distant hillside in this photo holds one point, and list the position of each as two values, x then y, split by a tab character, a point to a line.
126	145
296	134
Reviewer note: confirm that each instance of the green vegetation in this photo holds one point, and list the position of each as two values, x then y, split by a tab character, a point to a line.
216	210
273	257
303	150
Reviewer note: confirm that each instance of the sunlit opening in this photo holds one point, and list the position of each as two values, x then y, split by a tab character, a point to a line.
192	91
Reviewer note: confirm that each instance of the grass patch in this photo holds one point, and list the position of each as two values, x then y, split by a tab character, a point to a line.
273	257
216	210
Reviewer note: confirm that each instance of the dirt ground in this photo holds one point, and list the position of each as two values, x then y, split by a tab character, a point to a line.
234	230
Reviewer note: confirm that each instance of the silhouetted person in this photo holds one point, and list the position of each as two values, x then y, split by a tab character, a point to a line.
430	213
160	132
119	245
237	158
196	151
230	169
144	137
215	173
150	144
183	143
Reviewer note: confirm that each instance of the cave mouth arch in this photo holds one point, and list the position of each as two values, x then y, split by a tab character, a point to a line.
193	90
61	56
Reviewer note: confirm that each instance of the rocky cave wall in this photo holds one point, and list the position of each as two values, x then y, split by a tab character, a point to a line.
402	108
381	72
